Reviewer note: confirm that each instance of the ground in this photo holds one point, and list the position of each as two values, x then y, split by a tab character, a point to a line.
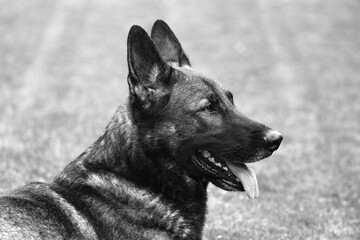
293	65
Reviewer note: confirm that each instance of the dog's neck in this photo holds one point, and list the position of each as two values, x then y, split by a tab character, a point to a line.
118	151
114	149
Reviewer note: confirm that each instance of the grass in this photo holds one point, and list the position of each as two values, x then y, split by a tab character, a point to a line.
292	65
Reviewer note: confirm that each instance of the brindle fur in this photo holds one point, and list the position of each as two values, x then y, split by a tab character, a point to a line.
138	180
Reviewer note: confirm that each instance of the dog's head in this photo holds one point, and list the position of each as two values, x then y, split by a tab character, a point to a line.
190	117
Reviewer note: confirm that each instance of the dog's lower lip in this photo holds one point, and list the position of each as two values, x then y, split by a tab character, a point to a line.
208	166
218	174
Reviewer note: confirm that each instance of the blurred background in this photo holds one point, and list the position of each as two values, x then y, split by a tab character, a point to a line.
293	65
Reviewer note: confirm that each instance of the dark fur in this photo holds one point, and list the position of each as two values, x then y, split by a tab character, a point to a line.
139	179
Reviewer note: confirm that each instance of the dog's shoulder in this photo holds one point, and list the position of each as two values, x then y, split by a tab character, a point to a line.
138	210
41	213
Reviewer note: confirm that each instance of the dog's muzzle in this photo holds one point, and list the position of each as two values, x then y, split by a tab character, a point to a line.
232	175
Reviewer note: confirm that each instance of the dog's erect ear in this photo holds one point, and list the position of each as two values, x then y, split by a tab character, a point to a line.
168	45
148	73
144	61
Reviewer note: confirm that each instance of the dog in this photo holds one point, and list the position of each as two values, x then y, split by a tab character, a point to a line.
146	176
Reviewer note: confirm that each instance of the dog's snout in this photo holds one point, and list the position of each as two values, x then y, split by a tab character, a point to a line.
273	140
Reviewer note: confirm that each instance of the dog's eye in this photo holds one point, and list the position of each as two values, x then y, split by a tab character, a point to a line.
210	108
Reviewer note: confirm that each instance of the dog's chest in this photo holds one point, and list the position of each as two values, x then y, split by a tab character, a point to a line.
183	218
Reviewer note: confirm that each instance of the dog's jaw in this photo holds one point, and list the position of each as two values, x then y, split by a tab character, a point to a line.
228	175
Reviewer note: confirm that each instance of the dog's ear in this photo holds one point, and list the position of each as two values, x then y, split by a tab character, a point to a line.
168	45
149	75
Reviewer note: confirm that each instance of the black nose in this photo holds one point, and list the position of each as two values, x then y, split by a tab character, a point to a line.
273	140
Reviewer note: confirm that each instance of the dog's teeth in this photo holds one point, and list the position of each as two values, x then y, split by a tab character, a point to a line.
238	179
225	168
218	164
211	159
205	153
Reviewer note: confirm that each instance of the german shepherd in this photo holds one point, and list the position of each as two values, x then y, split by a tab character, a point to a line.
146	176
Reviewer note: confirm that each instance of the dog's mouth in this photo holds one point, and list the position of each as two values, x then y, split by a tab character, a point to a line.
226	174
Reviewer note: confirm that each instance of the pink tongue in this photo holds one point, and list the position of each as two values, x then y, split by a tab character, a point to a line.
247	177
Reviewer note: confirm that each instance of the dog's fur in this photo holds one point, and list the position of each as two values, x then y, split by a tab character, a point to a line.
143	178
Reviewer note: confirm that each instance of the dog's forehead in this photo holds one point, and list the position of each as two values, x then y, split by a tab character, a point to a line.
195	78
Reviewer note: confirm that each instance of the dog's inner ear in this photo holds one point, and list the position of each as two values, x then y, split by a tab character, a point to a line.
148	74
168	45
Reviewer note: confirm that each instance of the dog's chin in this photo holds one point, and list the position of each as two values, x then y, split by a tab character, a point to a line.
228	174
227	185
217	173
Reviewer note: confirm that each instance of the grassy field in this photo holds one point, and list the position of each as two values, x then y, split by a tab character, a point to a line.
294	65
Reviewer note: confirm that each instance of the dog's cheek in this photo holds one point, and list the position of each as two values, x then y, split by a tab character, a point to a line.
210	122
169	135
164	138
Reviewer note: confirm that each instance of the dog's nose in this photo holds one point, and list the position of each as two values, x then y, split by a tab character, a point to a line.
273	140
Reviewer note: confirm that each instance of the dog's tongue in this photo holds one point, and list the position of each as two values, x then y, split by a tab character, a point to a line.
247	177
